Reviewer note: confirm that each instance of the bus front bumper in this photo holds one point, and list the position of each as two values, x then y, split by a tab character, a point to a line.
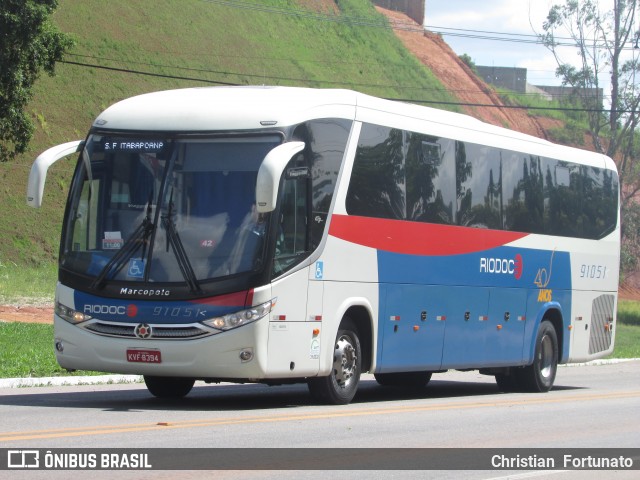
234	354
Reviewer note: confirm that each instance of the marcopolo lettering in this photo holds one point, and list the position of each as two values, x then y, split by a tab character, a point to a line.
145	292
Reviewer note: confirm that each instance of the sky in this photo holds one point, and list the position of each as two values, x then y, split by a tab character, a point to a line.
511	16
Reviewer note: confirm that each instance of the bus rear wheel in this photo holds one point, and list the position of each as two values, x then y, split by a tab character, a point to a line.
168	387
340	386
540	375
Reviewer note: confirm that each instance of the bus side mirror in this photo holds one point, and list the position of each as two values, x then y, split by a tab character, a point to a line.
38	174
270	172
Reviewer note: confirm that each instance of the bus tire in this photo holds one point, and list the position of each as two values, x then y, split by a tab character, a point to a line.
168	387
340	386
413	380
540	375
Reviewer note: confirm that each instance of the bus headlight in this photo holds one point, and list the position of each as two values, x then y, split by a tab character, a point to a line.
243	317
69	314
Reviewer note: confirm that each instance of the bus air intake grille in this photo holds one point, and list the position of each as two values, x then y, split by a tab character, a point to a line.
112	330
179	332
601	320
158	332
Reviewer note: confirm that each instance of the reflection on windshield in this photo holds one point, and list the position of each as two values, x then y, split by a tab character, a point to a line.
166	210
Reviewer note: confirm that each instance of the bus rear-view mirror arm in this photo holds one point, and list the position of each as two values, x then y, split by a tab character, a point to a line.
270	173
38	174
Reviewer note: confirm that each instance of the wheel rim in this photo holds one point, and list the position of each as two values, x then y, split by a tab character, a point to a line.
546	359
344	361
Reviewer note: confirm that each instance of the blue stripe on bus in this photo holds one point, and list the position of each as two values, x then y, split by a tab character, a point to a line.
154	311
460	311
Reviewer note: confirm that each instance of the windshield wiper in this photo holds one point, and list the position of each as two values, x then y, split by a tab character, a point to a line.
173	239
139	238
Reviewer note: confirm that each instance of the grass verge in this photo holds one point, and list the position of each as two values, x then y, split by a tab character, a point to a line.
26	350
629	312
628	330
20	285
627	341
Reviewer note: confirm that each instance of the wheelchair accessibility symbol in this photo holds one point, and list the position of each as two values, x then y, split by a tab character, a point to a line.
319	270
136	268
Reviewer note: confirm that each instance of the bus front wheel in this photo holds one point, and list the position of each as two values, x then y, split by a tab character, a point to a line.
168	387
339	387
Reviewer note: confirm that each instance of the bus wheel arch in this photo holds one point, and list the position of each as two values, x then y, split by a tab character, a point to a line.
361	318
554	315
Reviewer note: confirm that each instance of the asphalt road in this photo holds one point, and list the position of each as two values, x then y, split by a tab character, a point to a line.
596	406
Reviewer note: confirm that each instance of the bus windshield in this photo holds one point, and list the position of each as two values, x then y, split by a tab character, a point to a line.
164	209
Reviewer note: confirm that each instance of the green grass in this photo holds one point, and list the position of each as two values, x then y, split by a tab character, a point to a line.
629	312
27	285
26	350
627	343
574	124
628	330
532	100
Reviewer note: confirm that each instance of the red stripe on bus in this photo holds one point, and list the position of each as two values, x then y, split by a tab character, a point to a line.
416	238
238	299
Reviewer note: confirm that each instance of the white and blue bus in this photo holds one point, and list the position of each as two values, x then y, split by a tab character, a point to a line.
279	235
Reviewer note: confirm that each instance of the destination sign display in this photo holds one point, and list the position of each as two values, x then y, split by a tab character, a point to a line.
133	145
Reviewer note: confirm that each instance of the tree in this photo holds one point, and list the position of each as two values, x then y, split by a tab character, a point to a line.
468	61
603	39
29	43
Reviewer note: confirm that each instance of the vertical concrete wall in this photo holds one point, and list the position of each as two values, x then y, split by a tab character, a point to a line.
506	77
413	8
559	93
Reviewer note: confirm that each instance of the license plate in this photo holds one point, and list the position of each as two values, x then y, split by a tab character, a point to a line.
144	356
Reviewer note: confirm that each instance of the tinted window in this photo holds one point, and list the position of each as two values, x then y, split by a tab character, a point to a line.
563	199
522	192
326	141
377	186
479	186
430	179
580	201
292	237
406	175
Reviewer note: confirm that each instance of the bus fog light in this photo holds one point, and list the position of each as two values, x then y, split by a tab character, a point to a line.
59	346
246	355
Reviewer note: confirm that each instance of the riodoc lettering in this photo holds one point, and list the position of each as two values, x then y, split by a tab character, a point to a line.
502	266
105	309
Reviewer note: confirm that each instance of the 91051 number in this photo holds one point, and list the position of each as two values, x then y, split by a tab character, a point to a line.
179	312
593	271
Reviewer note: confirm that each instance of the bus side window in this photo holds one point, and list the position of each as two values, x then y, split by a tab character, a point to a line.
292	240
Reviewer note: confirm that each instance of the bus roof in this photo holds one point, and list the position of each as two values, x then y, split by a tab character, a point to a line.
209	109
